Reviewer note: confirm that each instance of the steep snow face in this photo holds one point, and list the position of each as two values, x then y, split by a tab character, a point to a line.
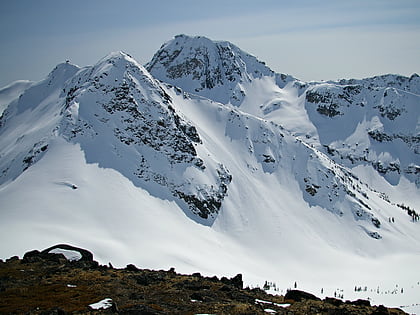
11	92
213	69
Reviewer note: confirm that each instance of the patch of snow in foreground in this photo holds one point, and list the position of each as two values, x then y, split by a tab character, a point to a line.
70	255
103	304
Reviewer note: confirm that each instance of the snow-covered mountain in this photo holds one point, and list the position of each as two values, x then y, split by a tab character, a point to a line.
207	160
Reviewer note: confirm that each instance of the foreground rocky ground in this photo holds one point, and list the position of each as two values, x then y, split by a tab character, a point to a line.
49	283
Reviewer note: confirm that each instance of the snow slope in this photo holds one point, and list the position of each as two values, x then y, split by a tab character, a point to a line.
108	158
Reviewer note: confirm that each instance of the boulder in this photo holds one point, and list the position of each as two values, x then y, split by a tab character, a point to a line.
297	296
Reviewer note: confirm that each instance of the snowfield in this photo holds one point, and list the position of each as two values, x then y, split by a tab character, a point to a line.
293	182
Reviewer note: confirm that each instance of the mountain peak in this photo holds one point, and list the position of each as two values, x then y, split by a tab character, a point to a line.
193	39
116	60
112	69
202	66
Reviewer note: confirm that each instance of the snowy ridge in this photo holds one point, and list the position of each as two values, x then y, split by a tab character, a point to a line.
291	177
411	84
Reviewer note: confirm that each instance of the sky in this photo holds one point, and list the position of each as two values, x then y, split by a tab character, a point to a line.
309	39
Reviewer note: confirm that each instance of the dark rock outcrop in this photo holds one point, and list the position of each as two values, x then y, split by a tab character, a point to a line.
297	296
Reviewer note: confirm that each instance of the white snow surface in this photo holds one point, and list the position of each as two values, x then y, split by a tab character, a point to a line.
291	212
103	304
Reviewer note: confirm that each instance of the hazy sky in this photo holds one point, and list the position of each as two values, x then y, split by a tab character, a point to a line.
310	39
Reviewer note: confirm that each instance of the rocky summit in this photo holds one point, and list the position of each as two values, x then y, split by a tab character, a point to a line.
64	279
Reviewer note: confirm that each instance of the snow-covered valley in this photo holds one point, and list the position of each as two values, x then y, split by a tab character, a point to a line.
221	167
